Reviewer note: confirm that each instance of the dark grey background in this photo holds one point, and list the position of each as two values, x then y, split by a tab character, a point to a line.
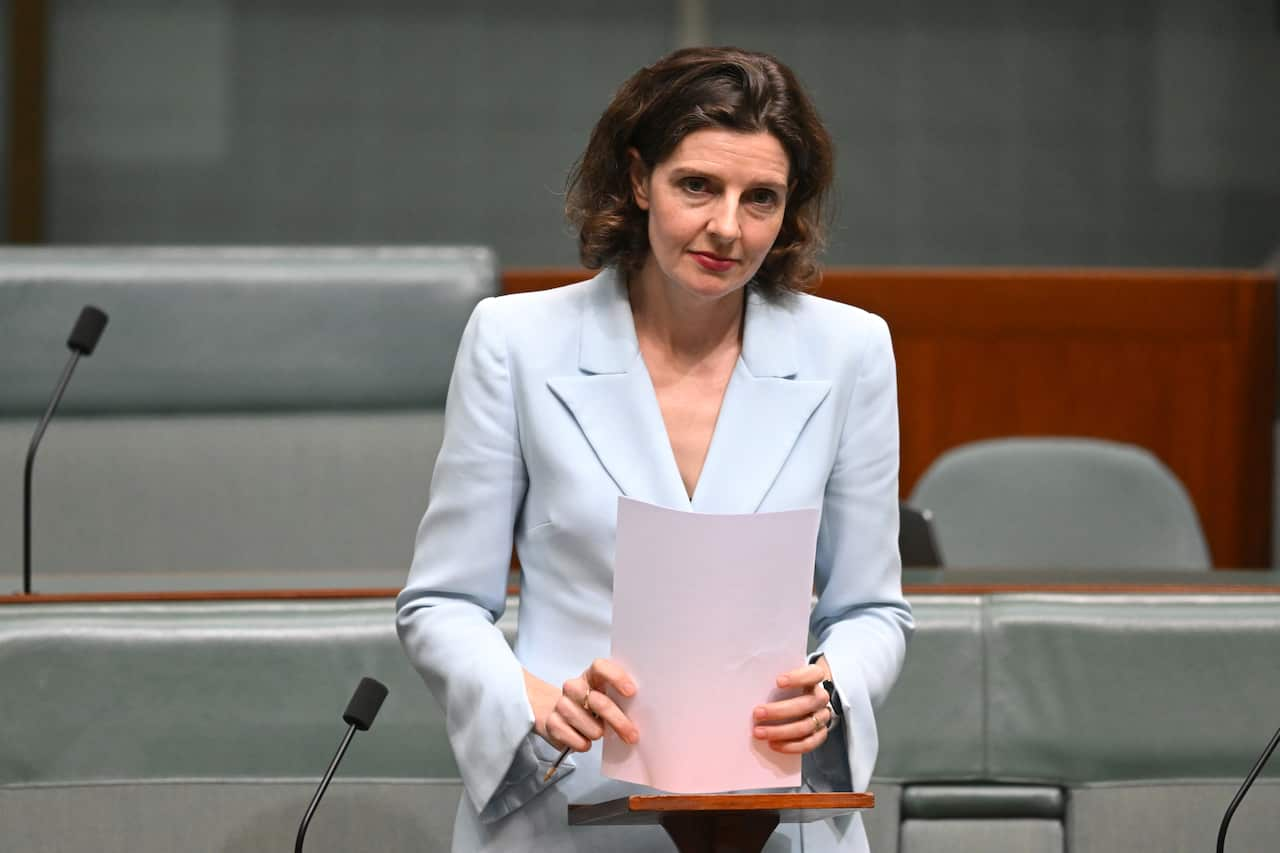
1143	132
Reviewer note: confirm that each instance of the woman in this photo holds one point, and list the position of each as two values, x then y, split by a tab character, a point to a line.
689	373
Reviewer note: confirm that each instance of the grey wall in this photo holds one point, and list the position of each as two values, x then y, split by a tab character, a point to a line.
1041	132
216	121
990	132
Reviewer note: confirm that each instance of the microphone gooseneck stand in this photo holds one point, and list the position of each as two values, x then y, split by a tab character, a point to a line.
324	784
84	337
31	458
1244	789
359	715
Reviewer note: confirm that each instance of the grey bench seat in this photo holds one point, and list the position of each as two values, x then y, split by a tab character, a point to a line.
1082	723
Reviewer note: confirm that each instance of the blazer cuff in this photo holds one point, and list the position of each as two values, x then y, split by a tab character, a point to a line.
523	780
826	769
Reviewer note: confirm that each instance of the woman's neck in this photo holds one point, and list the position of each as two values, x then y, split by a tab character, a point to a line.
684	327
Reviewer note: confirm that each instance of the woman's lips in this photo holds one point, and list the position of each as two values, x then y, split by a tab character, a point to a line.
713	262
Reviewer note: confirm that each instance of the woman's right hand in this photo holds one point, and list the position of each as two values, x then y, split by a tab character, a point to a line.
576	714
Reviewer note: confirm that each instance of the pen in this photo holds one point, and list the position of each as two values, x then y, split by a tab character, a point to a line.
564	753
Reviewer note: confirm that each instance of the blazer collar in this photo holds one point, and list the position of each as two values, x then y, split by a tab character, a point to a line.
608	343
612	398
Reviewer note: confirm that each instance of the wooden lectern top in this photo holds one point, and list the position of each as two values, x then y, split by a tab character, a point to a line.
789	808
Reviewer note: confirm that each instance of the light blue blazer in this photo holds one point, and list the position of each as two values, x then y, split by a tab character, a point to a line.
550	416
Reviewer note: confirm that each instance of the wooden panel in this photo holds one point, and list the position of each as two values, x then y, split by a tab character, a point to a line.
28	26
1179	362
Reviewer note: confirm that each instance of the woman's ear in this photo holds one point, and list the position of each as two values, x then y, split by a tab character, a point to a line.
639	179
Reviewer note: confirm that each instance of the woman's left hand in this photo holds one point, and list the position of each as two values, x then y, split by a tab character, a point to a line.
797	725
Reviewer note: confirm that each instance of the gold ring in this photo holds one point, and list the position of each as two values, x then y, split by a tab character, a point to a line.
586	703
817	724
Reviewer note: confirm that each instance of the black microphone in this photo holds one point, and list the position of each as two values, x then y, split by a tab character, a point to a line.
84	337
1244	789
88	328
360	712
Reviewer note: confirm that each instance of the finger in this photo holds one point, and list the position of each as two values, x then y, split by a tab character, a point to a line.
789	709
562	734
579	718
805	677
606	710
794	730
606	672
800	747
576	688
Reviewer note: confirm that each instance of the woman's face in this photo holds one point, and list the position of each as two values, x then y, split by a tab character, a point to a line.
715	208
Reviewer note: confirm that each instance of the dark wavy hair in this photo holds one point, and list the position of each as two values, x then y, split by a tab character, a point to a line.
690	90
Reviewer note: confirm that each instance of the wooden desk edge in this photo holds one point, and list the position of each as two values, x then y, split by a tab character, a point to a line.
791	808
196	595
957	588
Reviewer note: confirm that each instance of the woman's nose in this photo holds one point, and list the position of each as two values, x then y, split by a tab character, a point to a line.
723	223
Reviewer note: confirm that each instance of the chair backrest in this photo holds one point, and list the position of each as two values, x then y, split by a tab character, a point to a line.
249	410
215	719
1060	503
237	329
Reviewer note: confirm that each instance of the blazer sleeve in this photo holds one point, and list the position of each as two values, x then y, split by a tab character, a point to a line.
446	615
861	621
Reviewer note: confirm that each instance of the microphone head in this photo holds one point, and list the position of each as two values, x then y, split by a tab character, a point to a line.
88	328
365	703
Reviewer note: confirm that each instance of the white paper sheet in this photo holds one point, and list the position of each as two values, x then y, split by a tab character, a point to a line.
708	610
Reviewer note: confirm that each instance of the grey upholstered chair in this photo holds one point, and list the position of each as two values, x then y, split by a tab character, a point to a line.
1067	503
262	416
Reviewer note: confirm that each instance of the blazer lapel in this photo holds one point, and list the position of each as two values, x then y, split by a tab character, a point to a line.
764	411
612	399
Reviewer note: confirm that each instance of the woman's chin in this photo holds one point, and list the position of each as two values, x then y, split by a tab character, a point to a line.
710	286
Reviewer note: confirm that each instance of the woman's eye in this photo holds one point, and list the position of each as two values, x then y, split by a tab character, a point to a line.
695	185
764	198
